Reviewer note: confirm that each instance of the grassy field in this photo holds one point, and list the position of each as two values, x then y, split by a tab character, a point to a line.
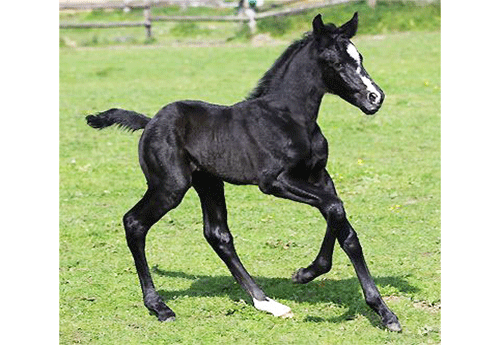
386	168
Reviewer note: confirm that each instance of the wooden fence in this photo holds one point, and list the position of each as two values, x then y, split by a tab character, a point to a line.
248	16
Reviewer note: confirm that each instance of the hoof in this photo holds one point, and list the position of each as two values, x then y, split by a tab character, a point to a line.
167	318
158	308
394	326
302	276
273	307
391	321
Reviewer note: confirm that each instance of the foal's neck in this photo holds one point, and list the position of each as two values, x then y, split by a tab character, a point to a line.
299	84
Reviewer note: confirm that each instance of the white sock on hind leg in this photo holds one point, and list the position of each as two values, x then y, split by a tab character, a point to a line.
273	307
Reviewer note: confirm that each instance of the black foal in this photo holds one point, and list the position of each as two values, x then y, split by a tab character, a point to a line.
271	140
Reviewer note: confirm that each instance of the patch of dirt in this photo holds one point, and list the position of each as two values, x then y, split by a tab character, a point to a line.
264	40
422	305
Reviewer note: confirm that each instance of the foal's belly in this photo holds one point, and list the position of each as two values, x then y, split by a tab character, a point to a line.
232	162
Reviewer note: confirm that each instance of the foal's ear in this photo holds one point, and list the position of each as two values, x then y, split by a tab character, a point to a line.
349	29
318	25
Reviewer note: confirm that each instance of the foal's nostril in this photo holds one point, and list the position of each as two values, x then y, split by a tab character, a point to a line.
372	97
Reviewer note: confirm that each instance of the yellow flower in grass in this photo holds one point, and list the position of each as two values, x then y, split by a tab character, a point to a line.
395	208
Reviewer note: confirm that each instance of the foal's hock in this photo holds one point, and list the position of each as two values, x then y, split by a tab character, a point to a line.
271	140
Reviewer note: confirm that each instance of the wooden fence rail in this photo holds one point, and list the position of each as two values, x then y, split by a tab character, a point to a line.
200	19
100	25
100	5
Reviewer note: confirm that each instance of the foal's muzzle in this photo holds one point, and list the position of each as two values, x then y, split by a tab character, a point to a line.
371	102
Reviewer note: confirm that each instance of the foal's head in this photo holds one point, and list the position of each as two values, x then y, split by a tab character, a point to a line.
342	65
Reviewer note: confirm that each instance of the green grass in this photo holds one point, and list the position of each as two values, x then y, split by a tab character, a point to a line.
386	169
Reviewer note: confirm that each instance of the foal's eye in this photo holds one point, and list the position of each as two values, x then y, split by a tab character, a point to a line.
338	65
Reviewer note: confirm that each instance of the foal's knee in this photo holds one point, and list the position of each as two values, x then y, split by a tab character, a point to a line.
335	210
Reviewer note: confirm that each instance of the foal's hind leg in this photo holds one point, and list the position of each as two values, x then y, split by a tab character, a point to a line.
211	192
155	204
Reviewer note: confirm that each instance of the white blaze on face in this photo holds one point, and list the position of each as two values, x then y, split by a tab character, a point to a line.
353	52
273	307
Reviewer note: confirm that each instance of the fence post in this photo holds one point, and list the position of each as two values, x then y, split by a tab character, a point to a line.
250	13
251	22
147	19
371	3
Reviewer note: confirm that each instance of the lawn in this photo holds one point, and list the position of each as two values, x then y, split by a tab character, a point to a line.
386	169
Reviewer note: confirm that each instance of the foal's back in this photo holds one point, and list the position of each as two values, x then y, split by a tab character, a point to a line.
234	143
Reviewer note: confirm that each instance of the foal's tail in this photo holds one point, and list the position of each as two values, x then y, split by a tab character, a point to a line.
123	118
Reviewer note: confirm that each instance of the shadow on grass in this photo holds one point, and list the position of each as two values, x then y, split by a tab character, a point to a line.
344	293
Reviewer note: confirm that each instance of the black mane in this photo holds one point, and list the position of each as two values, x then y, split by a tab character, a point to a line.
263	86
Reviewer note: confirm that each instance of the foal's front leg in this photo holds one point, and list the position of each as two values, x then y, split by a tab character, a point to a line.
349	242
324	197
323	261
314	195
